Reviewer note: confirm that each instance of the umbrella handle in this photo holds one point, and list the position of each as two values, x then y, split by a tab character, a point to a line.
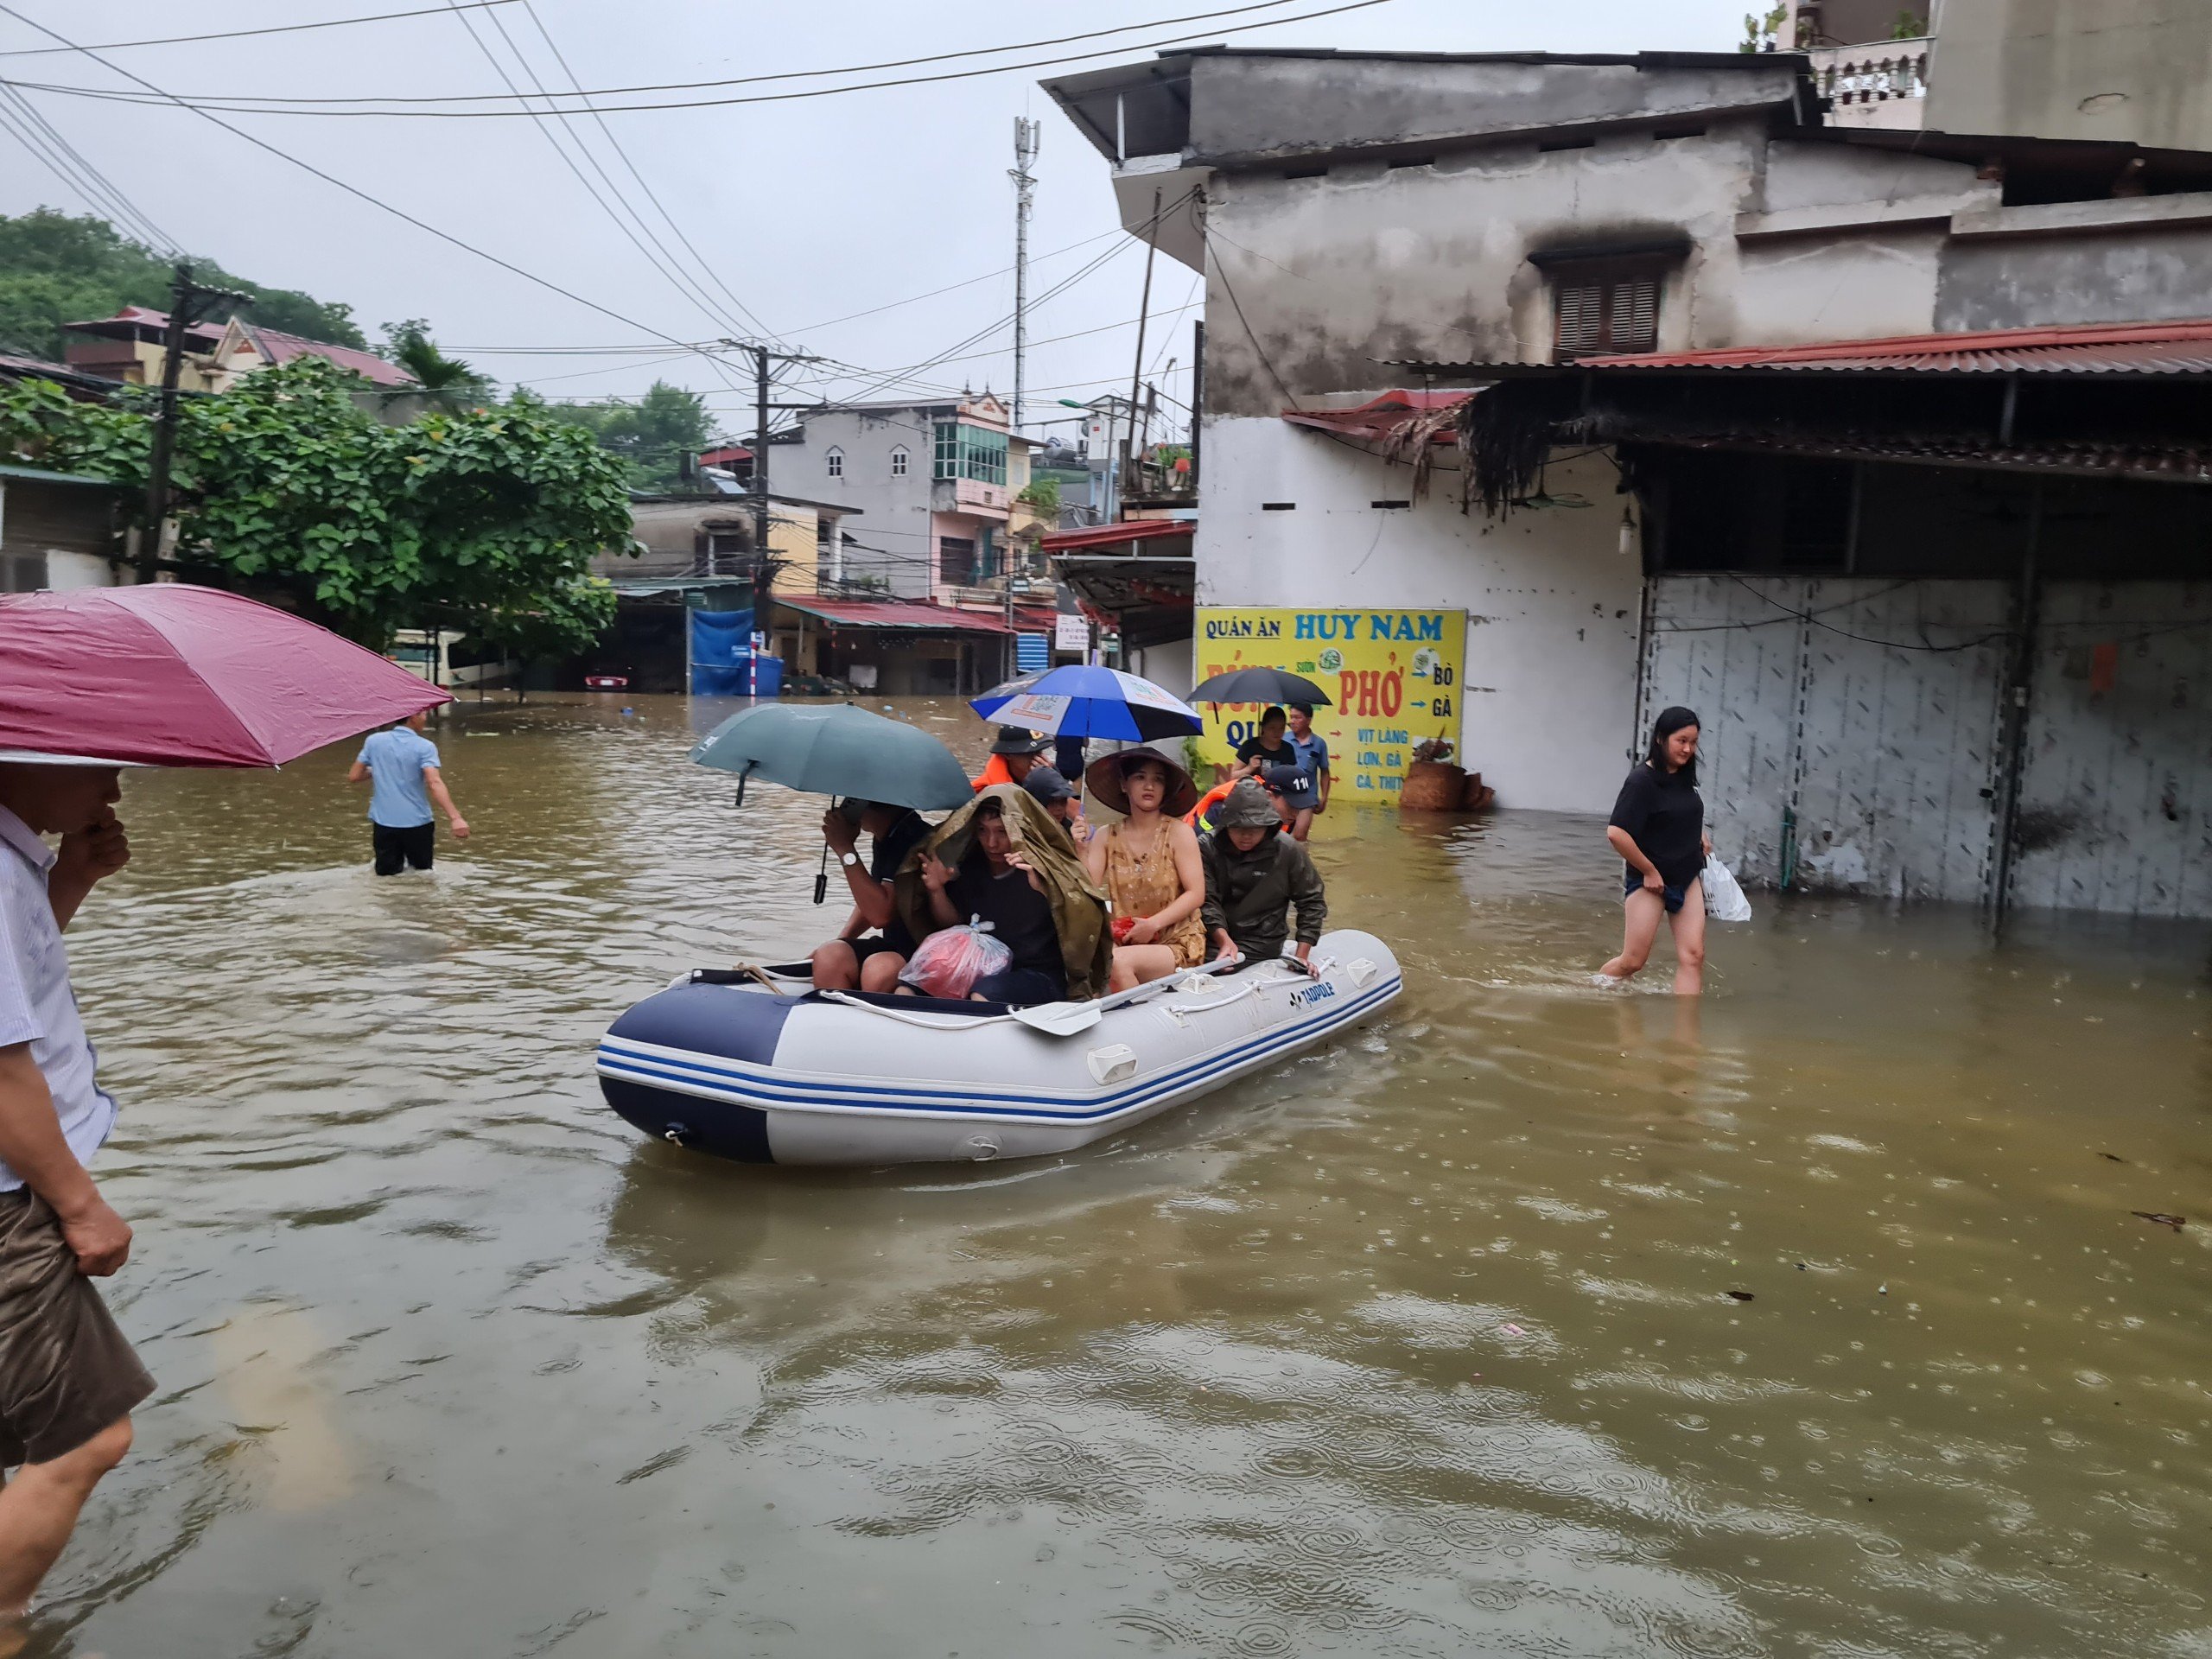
822	876
741	776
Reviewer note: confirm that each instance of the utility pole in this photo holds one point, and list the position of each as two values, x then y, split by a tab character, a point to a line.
188	301
762	358
1027	137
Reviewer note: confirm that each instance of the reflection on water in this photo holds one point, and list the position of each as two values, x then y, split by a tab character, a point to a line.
1423	1344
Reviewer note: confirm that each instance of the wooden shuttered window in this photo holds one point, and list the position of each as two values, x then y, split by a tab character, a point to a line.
1606	308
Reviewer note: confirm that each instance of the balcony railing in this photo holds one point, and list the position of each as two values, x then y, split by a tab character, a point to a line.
1879	85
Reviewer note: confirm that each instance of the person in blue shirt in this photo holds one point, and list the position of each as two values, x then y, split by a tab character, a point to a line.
400	765
1313	751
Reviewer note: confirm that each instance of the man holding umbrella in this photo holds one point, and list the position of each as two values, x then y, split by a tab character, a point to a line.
68	1377
876	943
159	674
1013	752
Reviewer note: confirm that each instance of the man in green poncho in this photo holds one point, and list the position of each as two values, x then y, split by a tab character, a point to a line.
1002	859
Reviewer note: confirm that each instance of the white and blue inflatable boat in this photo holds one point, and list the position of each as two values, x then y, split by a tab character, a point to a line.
755	1064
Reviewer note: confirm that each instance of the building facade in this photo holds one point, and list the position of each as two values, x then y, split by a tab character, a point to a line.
934	484
1382	234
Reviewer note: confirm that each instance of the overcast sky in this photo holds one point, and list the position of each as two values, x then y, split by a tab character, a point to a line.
808	210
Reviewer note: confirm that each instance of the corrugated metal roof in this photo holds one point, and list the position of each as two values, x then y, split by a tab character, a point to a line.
2184	347
1376	418
41	475
1121	534
913	614
277	346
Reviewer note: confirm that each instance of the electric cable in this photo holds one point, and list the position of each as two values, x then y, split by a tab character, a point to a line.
244	104
241	34
690	290
355	191
652	195
101	194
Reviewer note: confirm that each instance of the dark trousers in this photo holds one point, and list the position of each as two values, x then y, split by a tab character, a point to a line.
397	849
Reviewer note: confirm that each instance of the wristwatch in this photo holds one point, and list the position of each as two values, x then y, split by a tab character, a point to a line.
849	859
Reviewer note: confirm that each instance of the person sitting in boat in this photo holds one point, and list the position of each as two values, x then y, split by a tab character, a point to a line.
1255	873
1013	752
1001	859
1059	800
1149	864
876	943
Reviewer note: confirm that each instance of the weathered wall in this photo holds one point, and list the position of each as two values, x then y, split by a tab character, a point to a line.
2124	275
1336	275
1883	750
2134	70
1238	102
1551	602
2116	794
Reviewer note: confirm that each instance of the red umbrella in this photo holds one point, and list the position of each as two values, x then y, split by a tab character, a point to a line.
168	675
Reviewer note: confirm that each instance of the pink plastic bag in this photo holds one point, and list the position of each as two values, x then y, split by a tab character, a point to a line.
951	961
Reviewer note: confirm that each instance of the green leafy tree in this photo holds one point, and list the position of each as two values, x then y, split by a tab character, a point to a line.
57	268
1042	497
652	434
485	520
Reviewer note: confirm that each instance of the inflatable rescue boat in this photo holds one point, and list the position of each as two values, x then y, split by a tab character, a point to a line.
755	1065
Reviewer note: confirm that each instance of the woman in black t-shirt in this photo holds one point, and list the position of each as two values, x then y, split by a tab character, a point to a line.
1658	827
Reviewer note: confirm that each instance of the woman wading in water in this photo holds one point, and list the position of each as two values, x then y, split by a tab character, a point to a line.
1658	827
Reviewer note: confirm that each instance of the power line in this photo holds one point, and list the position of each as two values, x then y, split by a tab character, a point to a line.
35	133
241	34
756	80
691	293
652	195
238	103
354	190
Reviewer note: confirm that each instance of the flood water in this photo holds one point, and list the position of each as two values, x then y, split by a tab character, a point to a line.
1421	1344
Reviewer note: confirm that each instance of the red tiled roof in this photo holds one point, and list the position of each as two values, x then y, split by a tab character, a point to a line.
1121	534
2184	347
914	614
1375	419
724	455
277	346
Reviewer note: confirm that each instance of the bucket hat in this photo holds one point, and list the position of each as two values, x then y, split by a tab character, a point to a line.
1247	807
1107	779
1047	786
1011	740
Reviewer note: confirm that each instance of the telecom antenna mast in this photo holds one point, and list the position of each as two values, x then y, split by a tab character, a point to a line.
1027	135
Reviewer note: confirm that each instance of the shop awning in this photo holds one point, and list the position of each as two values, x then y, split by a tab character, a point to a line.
1125	534
914	616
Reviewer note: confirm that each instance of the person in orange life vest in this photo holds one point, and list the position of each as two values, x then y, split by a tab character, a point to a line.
1012	756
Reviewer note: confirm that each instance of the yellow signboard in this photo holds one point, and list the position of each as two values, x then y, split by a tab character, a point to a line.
1393	679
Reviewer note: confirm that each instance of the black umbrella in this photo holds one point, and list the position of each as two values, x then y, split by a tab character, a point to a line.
1259	685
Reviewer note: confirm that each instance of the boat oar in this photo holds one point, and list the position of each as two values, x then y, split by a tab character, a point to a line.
1058	1018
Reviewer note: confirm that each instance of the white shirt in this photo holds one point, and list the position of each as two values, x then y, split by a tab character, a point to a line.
36	1004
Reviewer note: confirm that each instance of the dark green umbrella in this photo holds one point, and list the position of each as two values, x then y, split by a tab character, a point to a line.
836	749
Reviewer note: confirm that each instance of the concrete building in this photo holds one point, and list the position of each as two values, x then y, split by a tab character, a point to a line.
1375	228
934	483
2121	72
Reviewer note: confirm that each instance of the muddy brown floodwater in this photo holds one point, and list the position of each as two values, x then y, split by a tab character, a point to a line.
1423	1345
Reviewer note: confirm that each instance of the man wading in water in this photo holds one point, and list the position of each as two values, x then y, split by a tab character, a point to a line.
400	765
68	1379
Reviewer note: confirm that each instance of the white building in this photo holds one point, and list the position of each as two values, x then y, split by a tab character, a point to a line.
1380	224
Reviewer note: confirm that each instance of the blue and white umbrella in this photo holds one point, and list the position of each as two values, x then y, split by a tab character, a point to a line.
1081	701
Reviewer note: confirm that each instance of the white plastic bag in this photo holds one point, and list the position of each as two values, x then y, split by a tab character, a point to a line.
1724	894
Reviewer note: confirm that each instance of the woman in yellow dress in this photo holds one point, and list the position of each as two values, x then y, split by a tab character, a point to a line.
1148	864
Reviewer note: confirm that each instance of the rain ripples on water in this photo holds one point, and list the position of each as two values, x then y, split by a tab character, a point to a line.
1420	1345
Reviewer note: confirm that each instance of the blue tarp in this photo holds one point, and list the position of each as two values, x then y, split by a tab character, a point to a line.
721	656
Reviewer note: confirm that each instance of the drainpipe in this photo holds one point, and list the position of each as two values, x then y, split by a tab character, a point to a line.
2020	677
